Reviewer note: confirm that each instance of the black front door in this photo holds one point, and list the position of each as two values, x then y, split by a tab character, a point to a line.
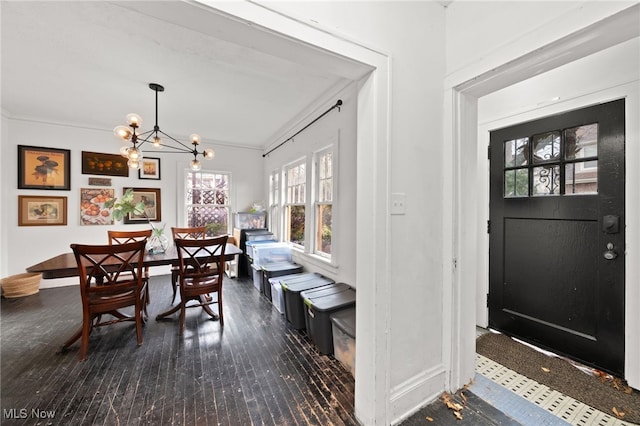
556	246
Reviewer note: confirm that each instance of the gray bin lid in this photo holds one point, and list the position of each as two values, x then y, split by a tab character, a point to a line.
345	320
298	278
260	242
333	301
300	286
280	266
289	277
324	290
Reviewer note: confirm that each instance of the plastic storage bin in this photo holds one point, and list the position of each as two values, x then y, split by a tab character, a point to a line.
293	304
249	220
257	277
264	254
319	305
271	270
277	295
257	235
277	298
249	245
344	338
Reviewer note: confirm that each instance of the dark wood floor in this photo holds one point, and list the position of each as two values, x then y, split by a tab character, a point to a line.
258	371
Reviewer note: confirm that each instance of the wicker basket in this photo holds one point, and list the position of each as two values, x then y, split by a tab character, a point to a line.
21	284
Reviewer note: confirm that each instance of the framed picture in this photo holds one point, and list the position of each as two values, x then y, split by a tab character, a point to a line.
95	163
92	209
150	197
149	168
44	168
41	211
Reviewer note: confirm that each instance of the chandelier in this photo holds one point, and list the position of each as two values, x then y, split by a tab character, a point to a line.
157	138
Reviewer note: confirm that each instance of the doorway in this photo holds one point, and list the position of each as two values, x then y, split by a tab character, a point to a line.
556	243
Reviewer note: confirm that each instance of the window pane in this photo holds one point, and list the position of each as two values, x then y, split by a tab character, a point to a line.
516	152
207	199
295	228
581	178
546	180
581	142
516	183
194	196
323	239
546	147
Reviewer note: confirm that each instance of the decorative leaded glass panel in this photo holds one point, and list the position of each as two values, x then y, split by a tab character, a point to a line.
546	147
546	180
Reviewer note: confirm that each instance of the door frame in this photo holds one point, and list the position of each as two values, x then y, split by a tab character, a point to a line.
466	254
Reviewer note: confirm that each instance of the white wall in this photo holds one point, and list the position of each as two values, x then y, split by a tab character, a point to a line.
28	245
337	128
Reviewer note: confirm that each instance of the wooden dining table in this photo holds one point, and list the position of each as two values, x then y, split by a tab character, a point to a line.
64	265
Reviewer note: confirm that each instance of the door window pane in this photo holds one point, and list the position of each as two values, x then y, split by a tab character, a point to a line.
546	147
516	183
581	142
546	180
516	152
581	178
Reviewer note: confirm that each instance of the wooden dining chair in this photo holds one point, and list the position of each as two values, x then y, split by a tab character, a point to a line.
111	278
122	237
201	263
195	232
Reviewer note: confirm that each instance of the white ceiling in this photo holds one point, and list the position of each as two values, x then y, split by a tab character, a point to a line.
89	63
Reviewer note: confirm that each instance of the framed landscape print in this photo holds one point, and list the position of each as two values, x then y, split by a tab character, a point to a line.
44	168
150	197
149	168
92	208
41	211
95	163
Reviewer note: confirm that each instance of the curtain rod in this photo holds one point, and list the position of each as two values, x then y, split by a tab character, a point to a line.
337	105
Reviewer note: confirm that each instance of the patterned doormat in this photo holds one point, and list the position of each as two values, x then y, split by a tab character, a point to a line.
605	393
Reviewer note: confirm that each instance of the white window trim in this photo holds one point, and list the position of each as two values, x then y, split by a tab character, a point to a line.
333	148
285	202
276	203
181	193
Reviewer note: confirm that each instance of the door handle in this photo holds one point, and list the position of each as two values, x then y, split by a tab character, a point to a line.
610	253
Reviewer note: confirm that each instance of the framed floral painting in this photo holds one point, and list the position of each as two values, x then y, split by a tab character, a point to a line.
44	168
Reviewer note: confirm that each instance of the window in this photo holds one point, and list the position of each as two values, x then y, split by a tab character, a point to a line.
296	183
324	190
207	201
559	162
274	202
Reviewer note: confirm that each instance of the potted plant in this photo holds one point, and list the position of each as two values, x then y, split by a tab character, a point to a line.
121	207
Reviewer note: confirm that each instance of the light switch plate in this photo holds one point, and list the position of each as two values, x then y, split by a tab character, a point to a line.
398	201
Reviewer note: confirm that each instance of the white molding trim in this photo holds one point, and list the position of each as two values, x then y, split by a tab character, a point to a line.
411	395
